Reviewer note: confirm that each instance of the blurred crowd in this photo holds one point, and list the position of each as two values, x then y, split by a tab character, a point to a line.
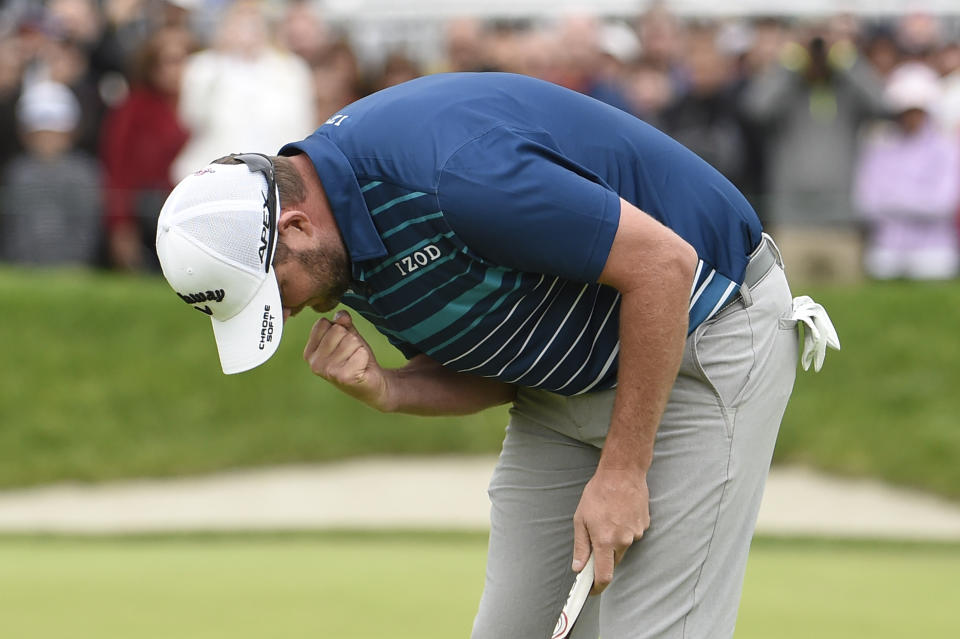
844	131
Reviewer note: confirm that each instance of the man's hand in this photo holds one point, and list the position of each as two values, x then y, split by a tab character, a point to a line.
337	353
614	512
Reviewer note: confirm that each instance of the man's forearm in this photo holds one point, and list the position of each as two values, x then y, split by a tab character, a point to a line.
653	269
652	337
423	387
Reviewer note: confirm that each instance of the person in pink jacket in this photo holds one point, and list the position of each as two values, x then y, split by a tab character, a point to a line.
907	185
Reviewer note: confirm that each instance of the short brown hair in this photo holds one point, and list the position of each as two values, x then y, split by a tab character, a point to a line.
289	182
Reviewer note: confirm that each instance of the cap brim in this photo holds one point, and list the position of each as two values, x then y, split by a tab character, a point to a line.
252	336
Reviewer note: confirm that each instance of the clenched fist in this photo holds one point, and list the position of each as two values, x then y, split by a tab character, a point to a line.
336	352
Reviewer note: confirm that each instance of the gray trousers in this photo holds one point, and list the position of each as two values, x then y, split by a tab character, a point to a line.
711	458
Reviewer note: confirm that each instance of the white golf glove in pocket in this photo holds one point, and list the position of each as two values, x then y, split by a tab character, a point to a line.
818	332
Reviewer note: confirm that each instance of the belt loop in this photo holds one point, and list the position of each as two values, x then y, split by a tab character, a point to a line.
745	296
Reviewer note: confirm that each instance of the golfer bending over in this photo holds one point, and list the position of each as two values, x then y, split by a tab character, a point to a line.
523	243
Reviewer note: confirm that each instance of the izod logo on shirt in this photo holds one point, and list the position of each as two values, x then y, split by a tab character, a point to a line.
418	259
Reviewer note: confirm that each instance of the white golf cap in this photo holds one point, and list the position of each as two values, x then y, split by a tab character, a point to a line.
912	85
48	106
216	236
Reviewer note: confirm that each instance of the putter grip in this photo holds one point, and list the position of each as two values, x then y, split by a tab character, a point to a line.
575	600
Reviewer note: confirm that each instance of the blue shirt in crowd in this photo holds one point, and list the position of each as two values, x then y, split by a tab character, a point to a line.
478	210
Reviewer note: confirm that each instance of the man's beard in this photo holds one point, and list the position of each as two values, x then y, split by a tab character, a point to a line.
331	270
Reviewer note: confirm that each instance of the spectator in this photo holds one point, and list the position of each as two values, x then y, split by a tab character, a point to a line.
919	36
882	51
649	91
464	42
398	68
618	47
705	119
948	58
141	138
79	20
126	24
507	49
662	40
766	38
10	72
336	79
242	93
811	107
908	184
530	51
949	107
177	13
579	53
75	28
768	35
51	196
303	32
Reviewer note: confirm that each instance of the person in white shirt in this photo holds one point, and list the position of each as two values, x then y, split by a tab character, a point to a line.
239	81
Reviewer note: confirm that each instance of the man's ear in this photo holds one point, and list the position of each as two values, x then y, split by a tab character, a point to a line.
295	222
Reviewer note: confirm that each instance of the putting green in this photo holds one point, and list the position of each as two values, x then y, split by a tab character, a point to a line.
418	586
848	591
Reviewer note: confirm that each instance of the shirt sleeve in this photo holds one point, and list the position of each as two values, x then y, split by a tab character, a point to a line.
409	351
518	202
361	306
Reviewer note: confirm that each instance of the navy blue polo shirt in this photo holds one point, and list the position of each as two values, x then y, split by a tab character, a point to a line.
478	211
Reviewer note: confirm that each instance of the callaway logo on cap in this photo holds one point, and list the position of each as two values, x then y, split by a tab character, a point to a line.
216	236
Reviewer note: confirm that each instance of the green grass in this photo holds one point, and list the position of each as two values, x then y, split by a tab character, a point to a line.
799	590
420	586
887	404
108	376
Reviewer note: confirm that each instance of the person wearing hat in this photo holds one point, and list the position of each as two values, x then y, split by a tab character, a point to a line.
907	185
50	206
520	242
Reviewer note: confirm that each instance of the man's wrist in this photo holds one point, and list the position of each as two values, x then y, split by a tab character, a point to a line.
386	400
634	465
631	455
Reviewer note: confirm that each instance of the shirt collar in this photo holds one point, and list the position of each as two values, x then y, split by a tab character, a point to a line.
343	192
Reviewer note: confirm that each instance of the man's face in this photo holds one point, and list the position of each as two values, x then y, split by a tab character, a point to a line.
314	277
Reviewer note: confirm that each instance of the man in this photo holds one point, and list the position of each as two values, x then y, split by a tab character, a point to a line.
521	242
